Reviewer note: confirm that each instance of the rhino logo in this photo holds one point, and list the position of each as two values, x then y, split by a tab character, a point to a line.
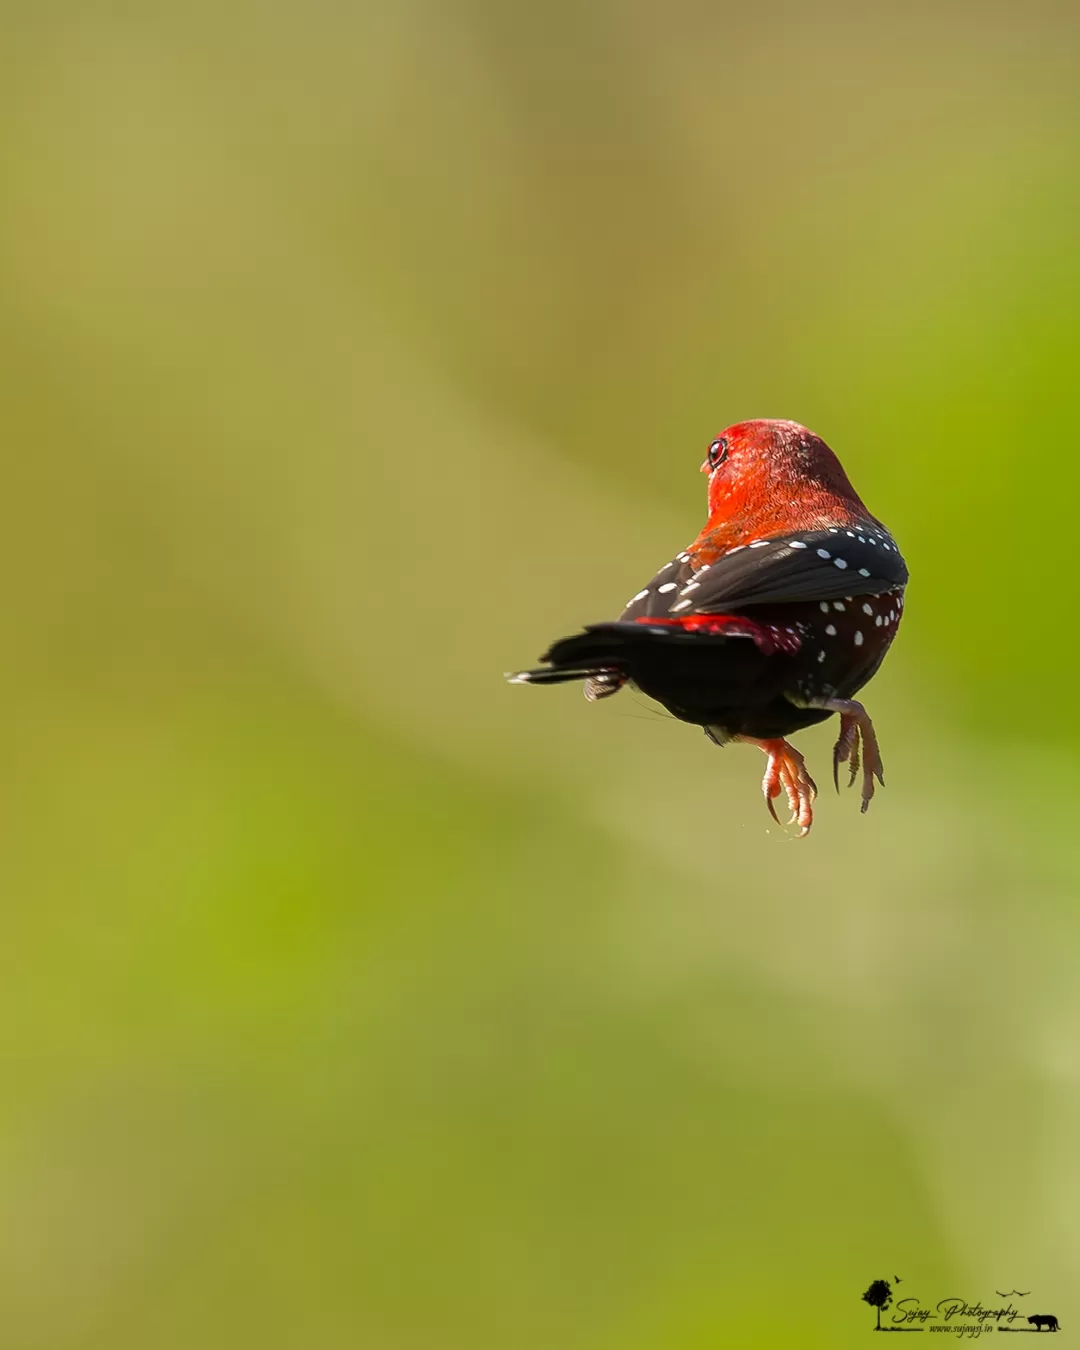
1046	1320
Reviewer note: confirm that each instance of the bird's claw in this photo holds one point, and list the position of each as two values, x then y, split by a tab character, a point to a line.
786	772
857	746
846	751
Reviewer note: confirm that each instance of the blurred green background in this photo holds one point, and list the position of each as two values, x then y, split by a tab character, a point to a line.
353	998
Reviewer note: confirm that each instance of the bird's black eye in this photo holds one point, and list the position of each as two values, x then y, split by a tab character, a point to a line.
717	452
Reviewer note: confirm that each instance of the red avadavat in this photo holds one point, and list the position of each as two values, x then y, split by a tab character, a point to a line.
774	617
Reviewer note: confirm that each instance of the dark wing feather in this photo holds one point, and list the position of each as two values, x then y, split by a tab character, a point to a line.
816	565
654	600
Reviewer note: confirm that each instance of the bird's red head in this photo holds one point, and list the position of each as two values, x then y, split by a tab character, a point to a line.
768	476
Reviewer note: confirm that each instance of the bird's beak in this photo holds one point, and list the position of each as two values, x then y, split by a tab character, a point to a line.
706	467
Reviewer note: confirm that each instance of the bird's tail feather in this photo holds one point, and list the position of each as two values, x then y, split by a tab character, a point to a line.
606	655
597	655
546	676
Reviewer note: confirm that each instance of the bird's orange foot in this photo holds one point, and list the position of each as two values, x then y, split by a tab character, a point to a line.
786	772
856	742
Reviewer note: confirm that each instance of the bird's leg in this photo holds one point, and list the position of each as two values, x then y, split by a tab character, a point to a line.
856	742
786	771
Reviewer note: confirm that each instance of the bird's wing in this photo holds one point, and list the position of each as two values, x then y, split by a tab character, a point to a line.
655	599
815	565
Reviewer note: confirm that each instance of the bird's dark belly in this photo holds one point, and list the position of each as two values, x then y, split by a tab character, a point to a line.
736	688
755	706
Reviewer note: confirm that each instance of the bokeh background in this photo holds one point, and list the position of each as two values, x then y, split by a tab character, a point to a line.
353	998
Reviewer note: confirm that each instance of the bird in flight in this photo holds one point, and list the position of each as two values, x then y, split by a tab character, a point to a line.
779	612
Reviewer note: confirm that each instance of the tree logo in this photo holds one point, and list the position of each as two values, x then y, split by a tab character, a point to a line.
879	1296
